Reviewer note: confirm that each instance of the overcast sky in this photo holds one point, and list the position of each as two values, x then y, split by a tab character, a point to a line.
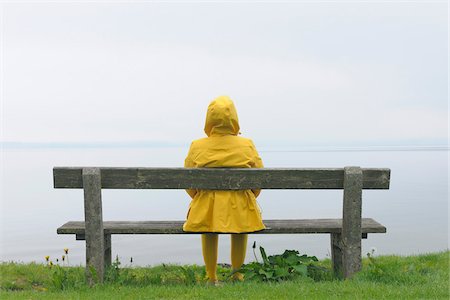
316	73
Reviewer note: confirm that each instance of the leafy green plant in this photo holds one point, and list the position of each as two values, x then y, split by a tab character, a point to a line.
113	271
281	267
63	278
59	278
188	277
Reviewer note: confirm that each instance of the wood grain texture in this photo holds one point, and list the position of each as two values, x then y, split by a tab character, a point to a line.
351	221
219	178
176	227
94	225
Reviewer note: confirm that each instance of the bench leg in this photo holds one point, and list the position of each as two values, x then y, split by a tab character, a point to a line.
107	245
93	217
336	254
351	221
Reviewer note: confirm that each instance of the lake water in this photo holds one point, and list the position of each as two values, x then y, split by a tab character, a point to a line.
414	209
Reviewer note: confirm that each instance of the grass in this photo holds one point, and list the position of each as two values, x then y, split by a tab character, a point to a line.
383	277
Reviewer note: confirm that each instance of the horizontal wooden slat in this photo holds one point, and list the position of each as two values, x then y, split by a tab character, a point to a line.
219	178
175	227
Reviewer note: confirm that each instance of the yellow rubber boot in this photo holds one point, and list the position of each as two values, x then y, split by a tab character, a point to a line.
210	244
238	251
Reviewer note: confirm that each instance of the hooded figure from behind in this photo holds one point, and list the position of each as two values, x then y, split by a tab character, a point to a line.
221	211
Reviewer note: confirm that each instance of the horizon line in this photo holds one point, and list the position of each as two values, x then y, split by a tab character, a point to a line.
263	147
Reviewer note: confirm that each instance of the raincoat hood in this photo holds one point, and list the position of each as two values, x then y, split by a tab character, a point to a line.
221	118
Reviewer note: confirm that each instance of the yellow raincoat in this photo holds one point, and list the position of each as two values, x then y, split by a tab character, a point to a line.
219	210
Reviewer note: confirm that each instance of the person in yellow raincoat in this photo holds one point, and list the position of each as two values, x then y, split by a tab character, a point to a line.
219	211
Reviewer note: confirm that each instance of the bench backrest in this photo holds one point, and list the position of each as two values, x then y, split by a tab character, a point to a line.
221	178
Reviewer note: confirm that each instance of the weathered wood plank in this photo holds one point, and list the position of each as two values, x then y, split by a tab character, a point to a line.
351	221
336	254
376	178
368	225
219	178
93	216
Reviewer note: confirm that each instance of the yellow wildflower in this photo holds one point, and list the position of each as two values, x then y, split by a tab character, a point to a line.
47	258
66	250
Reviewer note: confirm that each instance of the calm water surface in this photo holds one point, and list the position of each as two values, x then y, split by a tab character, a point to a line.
414	209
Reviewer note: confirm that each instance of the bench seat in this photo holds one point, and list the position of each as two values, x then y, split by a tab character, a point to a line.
368	225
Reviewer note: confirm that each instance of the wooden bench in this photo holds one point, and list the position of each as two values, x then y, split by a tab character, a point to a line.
346	233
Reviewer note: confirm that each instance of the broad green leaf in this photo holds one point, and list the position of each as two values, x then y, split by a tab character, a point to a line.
281	272
290	252
301	269
267	274
291	260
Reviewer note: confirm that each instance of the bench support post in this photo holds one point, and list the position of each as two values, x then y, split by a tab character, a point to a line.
336	254
107	246
351	221
95	252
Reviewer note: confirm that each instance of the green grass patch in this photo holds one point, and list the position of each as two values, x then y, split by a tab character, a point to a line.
382	277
